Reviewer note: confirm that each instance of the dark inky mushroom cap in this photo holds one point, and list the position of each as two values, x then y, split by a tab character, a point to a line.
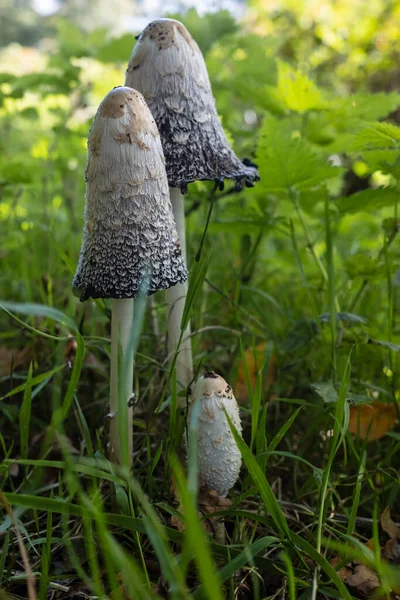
130	244
168	68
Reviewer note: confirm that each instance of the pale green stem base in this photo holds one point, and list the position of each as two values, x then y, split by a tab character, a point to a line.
121	416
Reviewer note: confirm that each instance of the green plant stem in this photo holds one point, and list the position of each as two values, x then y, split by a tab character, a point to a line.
331	287
310	245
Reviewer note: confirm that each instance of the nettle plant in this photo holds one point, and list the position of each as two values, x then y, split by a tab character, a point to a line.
324	218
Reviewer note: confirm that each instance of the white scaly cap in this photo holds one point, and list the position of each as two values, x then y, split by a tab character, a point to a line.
168	68
130	244
219	458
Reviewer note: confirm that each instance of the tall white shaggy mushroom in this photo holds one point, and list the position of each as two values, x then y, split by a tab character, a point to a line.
130	245
219	459
168	68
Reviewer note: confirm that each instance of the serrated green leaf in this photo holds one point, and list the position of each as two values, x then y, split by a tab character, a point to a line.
286	160
330	394
377	135
296	91
326	390
364	107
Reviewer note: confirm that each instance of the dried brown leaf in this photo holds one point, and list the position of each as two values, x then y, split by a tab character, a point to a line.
381	416
209	501
391	550
389	525
363	579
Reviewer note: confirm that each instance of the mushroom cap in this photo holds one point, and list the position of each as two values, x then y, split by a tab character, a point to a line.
168	68
130	245
219	458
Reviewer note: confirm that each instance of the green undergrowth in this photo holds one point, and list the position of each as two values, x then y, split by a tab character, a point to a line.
303	269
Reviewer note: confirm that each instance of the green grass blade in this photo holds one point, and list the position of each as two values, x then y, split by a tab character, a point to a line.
261	483
321	562
25	415
196	537
351	525
35	380
75	375
283	431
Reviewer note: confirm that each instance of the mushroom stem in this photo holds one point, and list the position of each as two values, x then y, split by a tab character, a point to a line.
176	298
121	381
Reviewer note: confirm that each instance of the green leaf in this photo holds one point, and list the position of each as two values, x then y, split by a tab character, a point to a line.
286	160
326	391
297	91
375	136
329	393
364	107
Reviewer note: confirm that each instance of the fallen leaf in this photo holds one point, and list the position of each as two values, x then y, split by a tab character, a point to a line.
388	525
391	550
254	358
345	571
209	501
381	416
364	579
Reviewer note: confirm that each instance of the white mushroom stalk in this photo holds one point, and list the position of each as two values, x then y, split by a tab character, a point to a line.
130	245
168	68
219	458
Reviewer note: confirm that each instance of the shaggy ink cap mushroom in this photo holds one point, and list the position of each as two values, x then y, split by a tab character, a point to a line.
219	458
168	68
130	244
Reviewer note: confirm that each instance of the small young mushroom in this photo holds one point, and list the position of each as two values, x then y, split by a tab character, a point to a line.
219	458
130	245
168	68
